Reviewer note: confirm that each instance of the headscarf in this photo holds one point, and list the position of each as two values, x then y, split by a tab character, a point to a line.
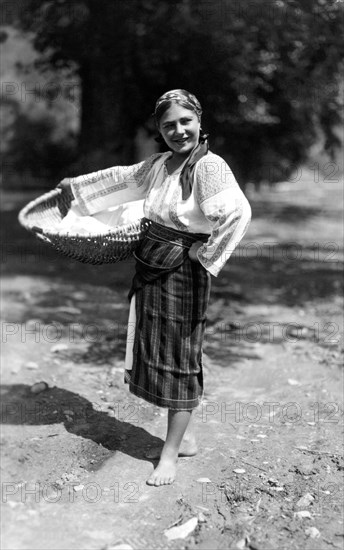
188	100
181	97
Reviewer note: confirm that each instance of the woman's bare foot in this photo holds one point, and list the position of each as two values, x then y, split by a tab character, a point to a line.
164	473
188	448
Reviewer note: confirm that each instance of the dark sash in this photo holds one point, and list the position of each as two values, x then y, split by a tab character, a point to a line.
162	251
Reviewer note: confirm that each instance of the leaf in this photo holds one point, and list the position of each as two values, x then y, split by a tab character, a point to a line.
182	531
203	480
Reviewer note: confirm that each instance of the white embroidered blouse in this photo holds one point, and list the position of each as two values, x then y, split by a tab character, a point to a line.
216	206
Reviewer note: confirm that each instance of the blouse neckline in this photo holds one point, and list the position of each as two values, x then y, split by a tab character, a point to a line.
169	153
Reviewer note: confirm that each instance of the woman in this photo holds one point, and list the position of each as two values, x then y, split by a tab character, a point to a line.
199	215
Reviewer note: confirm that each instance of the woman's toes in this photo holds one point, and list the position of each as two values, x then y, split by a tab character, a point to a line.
151	480
164	474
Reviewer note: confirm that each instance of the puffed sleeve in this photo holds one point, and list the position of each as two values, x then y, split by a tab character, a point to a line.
111	187
225	207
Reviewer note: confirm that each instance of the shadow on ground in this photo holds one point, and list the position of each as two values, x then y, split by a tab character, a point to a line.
54	405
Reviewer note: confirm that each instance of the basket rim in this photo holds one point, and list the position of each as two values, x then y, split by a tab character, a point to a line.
125	231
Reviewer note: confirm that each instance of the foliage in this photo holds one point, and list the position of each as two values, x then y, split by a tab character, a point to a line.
266	71
32	152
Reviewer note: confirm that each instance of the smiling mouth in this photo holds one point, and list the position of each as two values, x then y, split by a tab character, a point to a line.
180	140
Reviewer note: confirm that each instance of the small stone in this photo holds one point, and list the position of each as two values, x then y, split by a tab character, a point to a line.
39	387
203	480
31	365
181	531
303	514
201	518
293	382
305	500
312	532
241	544
58	347
69	412
239	470
78	488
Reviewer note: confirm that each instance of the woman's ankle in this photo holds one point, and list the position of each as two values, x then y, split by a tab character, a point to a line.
169	452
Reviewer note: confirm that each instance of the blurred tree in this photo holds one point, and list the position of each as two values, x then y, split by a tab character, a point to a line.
267	72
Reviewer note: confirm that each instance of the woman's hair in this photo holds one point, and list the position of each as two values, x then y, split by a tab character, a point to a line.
181	97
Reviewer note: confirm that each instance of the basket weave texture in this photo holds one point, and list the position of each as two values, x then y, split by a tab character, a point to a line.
43	215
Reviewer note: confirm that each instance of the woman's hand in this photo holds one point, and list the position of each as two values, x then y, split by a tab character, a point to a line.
66	196
193	251
65	184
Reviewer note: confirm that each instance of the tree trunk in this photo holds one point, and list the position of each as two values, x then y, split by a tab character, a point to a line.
107	133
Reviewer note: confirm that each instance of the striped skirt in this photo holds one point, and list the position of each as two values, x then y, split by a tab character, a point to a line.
171	294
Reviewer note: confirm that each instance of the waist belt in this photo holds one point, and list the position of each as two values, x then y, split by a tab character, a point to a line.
162	251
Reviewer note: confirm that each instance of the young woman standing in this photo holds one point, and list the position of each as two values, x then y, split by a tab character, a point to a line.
198	215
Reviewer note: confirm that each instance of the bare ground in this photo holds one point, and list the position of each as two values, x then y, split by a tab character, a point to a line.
270	427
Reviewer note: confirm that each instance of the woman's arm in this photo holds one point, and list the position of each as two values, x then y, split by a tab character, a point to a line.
110	187
225	207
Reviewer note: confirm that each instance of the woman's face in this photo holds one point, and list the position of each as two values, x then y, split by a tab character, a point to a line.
180	129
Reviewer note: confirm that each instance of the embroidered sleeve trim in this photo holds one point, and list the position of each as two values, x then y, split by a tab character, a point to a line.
121	177
229	223
213	175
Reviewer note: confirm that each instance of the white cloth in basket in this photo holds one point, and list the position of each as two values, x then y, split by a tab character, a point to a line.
216	206
76	223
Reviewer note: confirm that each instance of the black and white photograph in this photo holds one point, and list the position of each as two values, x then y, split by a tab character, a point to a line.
172	274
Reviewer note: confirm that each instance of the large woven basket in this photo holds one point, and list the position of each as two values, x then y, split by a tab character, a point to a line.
43	215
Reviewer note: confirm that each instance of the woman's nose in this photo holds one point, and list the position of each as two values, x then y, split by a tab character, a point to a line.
179	129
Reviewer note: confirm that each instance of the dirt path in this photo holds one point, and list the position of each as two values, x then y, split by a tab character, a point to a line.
269	472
